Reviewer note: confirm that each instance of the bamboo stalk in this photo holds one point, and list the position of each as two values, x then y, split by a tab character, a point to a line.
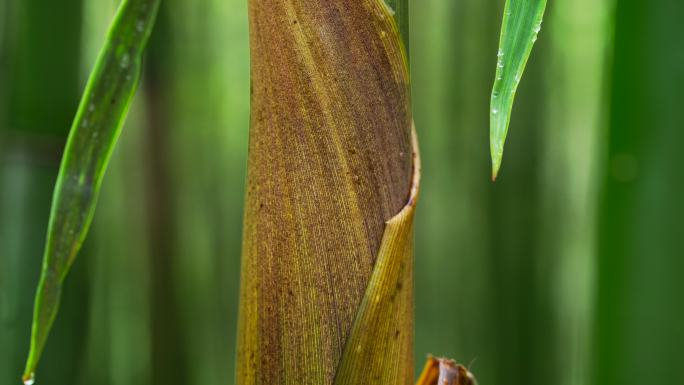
330	161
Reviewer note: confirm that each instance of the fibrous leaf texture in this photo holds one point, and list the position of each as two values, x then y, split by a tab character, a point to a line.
332	184
521	23
94	133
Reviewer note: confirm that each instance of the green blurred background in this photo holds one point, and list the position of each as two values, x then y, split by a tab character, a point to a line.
566	271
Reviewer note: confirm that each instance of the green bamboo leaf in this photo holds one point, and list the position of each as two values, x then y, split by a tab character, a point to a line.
93	134
521	23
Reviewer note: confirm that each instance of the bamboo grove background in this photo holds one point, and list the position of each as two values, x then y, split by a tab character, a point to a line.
565	271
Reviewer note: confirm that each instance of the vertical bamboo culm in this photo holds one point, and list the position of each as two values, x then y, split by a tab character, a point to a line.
330	162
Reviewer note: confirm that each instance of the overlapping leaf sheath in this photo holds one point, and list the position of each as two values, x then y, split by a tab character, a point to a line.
330	162
380	344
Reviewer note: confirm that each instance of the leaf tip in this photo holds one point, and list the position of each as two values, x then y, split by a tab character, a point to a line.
28	378
498	128
496	163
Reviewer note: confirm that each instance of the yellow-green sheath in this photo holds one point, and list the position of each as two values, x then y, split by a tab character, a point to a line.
381	340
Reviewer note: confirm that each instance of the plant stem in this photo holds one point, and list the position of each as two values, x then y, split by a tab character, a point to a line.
330	161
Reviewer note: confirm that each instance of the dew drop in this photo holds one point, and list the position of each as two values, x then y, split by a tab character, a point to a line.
125	60
389	9
29	380
140	26
500	53
495	111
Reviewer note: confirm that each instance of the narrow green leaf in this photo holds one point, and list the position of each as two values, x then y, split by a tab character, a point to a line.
521	23
93	135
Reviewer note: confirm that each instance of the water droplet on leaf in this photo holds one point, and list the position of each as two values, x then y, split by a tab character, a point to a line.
29	380
125	60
